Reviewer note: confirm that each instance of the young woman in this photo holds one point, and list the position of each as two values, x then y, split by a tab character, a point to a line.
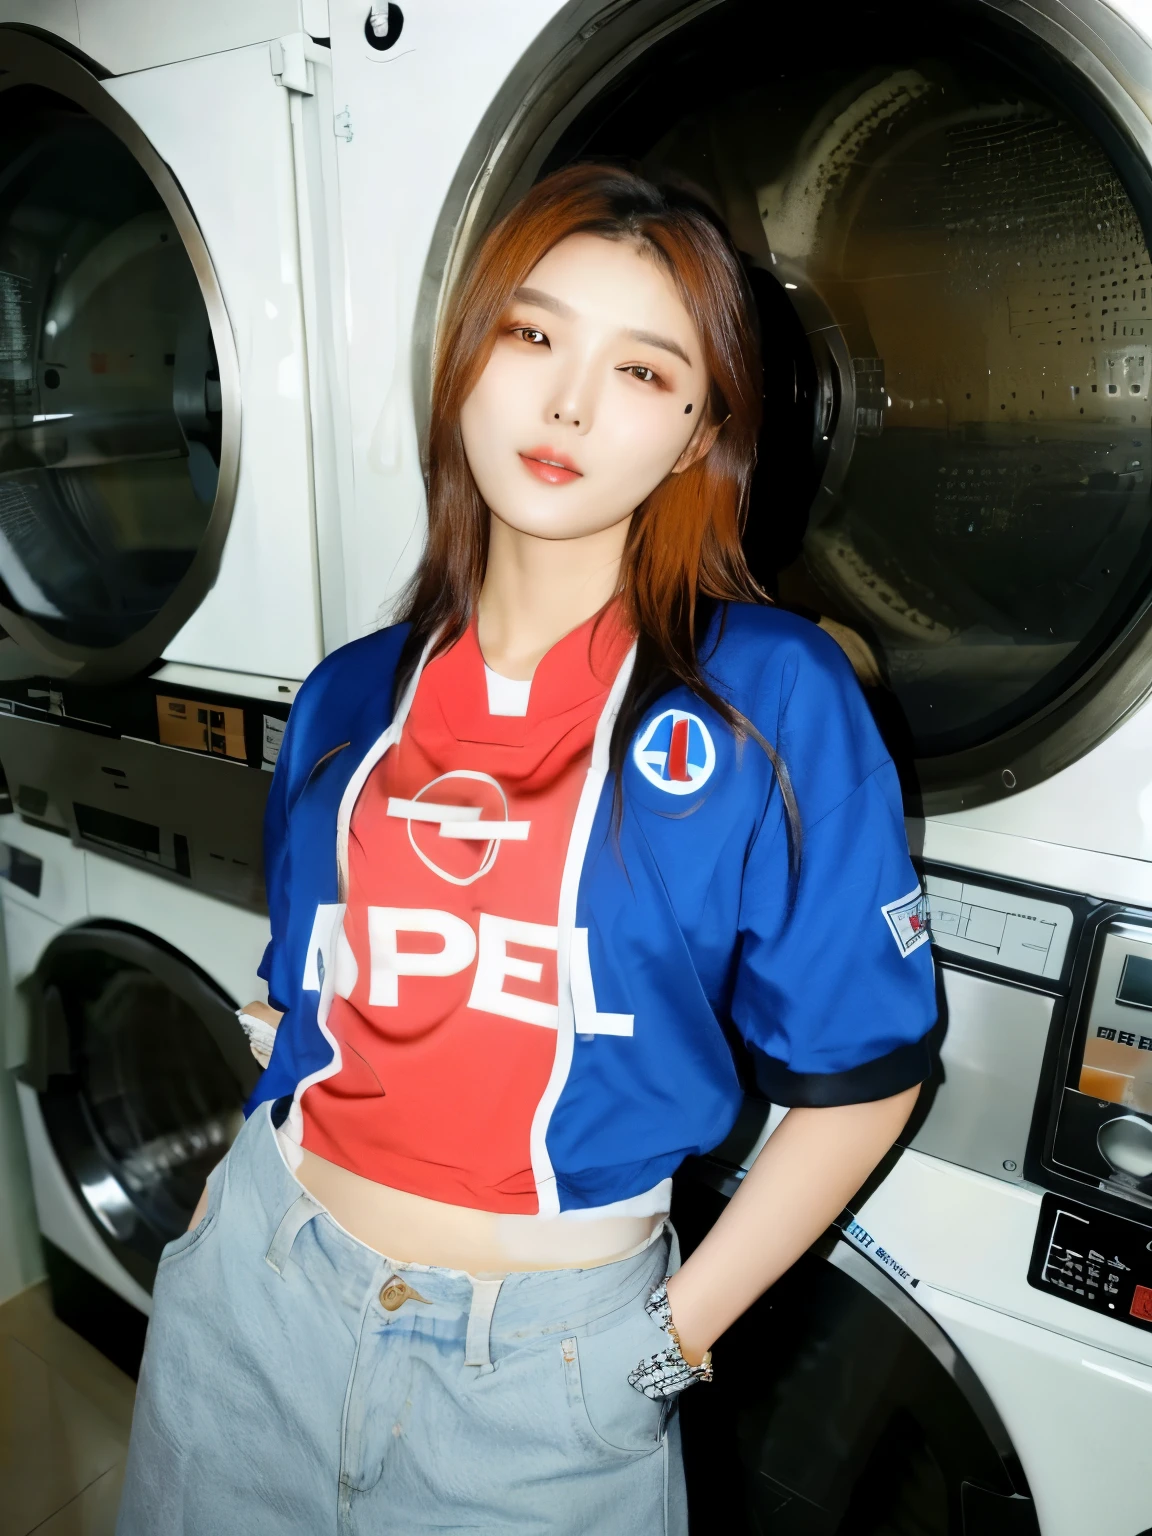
536	857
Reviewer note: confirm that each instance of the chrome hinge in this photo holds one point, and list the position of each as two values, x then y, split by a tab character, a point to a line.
290	57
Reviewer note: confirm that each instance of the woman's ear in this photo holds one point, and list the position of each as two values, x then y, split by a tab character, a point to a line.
701	443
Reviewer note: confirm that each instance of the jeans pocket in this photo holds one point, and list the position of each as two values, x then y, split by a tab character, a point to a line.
183	1245
609	1416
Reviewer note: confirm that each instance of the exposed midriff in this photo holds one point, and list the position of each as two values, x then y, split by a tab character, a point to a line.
414	1229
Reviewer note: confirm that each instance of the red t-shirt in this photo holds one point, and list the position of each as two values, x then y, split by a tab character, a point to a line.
447	1036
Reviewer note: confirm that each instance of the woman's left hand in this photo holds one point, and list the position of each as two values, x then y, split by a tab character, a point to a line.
806	1173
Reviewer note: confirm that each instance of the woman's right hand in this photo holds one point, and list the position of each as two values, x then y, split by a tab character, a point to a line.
263	1011
259	1021
269	1016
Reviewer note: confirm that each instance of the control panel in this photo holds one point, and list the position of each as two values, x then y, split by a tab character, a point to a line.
1103	1120
155	772
1094	1259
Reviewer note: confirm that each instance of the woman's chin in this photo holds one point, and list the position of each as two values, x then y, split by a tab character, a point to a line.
553	523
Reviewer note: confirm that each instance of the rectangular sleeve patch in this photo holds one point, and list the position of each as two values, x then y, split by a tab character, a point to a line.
907	917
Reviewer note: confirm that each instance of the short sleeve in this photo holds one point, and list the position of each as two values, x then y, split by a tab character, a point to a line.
835	989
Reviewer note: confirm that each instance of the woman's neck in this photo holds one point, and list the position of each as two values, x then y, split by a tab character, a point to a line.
536	591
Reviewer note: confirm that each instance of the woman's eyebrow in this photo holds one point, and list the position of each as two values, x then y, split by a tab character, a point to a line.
649	338
557	306
546	301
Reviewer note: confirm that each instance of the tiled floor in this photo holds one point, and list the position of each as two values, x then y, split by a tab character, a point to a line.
65	1413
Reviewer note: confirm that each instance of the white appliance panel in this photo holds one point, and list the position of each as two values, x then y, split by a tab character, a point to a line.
63	1220
128	35
1045	861
1080	1418
26	935
63	893
395	172
55	16
222	123
1072	808
971	1236
226	942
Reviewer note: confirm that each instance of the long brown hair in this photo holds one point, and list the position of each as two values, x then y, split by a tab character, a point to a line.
683	555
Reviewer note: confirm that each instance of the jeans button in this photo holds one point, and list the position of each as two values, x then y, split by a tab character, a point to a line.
394	1293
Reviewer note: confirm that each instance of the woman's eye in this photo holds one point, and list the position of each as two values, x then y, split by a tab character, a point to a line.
638	371
531	335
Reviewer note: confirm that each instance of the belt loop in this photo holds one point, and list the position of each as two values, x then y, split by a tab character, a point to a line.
477	1344
298	1215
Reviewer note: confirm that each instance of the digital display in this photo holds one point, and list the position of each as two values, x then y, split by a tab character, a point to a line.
199	727
1116	1063
1135	989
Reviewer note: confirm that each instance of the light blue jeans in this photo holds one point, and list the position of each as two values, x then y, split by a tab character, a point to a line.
279	1394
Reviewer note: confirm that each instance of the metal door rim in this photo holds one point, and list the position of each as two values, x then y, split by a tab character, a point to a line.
29	61
574	58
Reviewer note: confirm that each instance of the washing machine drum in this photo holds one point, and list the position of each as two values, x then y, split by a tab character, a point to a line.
142	1071
840	1408
946	235
118	400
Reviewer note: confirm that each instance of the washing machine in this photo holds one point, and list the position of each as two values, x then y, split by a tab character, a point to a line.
945	214
173	461
172	396
131	1070
134	919
178	452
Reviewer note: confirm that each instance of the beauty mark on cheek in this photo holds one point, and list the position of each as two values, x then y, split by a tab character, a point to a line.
688	409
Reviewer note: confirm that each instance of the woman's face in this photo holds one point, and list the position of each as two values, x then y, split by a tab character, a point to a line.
592	395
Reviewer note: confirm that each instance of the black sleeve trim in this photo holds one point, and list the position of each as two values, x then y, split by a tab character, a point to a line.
902	1068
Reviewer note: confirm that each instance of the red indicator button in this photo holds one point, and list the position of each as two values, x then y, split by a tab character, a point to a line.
1142	1303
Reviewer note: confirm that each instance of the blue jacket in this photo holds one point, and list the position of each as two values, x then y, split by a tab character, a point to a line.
699	933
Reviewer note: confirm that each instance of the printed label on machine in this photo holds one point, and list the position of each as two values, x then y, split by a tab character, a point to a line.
1020	932
861	1238
273	736
1094	1259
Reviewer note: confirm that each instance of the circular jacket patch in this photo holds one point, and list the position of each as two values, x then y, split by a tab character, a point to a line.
676	753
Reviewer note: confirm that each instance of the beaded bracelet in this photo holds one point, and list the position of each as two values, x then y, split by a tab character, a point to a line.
666	1373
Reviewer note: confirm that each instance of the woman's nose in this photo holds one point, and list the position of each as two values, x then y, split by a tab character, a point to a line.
572	405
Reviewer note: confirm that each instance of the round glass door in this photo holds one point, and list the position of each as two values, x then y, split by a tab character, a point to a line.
944	231
143	1079
117	451
840	1408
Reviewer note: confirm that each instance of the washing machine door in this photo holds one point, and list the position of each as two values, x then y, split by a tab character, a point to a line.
119	402
142	1071
840	1408
944	214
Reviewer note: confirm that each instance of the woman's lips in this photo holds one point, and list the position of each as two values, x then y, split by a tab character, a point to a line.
552	468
